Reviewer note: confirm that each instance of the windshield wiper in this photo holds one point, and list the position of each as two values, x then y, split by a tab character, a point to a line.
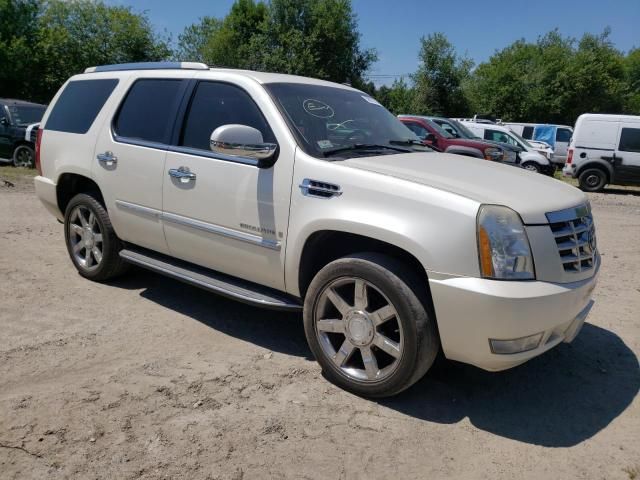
363	146
407	141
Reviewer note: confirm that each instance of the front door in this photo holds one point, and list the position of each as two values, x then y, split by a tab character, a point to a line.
627	158
130	155
224	212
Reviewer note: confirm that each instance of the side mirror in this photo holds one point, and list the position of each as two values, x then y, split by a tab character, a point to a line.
244	142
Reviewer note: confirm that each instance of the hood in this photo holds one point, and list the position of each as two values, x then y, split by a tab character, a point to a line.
528	193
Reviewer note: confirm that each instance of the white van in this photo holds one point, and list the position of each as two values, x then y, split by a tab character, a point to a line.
530	157
605	149
559	139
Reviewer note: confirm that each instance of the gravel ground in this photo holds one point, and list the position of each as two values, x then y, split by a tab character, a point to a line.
148	378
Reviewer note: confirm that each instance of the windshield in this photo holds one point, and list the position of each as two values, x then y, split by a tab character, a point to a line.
463	131
328	119
26	115
521	140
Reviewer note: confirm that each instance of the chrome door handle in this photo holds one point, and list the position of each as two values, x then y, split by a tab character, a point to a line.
107	158
183	174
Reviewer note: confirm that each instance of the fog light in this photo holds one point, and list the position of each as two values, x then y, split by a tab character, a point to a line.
517	345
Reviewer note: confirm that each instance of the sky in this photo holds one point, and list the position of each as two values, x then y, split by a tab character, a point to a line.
476	28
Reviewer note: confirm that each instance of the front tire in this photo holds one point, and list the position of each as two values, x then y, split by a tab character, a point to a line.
367	322
24	156
531	166
592	180
92	243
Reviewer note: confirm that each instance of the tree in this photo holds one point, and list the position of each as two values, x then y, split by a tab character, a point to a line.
632	73
440	78
552	80
75	34
304	37
399	98
18	31
192	42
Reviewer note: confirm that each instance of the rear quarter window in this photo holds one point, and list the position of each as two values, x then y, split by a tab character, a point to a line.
629	140
79	105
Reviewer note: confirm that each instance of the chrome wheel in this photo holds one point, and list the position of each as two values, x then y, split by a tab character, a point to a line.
85	238
358	329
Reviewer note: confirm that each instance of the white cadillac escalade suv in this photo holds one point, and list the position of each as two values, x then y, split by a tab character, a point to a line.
299	194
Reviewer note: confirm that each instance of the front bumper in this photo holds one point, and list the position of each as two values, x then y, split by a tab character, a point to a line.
471	311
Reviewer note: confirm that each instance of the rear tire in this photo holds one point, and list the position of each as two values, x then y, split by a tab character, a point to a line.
375	343
592	180
92	243
24	156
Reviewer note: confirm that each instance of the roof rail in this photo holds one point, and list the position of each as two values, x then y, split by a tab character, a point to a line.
148	66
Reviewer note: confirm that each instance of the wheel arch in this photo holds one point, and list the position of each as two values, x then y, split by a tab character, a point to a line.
600	165
324	246
71	184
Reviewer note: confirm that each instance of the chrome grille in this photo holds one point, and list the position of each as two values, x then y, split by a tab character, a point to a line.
575	236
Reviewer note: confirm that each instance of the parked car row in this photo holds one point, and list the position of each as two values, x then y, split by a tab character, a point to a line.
19	122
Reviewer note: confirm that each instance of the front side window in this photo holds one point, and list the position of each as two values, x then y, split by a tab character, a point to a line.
147	113
215	104
79	105
630	140
497	136
340	122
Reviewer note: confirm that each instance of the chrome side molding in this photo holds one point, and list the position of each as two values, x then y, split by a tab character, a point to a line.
318	189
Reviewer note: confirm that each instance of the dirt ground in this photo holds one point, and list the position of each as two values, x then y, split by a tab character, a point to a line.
149	378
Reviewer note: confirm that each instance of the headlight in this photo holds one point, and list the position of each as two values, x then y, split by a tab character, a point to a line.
503	246
493	153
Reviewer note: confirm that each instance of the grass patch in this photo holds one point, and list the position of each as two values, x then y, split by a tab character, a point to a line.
16	174
571	181
632	472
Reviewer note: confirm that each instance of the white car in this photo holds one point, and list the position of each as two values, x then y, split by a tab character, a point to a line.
259	187
556	137
531	158
605	149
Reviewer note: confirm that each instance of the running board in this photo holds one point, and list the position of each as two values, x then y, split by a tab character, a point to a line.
225	285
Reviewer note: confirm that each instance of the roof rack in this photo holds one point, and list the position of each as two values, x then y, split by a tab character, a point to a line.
148	66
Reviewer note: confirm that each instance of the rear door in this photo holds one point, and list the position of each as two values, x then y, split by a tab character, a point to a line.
563	136
130	154
627	155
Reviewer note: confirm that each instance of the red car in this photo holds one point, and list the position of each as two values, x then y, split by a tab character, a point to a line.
433	136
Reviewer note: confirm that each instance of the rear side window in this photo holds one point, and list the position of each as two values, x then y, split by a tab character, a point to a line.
563	135
527	132
148	111
215	104
79	104
630	140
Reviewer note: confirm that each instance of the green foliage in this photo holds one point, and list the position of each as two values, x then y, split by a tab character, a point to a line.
192	42
47	42
399	98
304	37
440	77
632	75
553	80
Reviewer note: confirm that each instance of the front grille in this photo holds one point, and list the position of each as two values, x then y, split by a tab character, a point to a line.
575	236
